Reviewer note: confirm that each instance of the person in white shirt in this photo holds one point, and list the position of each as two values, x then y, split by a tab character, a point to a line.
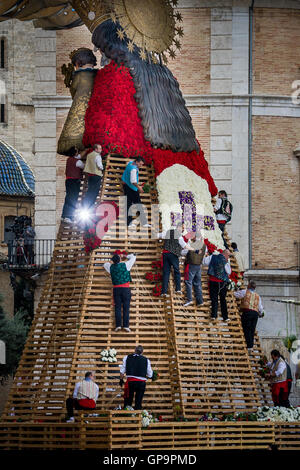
137	368
239	258
121	278
218	271
93	168
221	217
85	396
278	378
252	308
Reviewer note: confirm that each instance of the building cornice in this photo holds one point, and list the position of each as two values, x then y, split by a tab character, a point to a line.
221	4
262	105
272	274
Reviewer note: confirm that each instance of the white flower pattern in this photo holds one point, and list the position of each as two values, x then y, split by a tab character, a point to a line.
180	178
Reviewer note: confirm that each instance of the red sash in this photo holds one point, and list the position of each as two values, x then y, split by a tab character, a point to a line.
87	403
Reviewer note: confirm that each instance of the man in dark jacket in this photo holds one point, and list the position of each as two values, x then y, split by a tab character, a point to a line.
137	368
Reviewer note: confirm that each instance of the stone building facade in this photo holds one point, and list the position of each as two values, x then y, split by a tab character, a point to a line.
237	68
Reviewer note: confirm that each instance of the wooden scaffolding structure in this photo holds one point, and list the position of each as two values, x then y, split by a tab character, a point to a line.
203	366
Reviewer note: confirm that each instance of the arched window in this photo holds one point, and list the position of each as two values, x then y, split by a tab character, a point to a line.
3	53
9	220
3	65
2	113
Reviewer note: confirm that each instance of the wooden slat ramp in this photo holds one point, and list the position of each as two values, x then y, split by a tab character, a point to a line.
202	366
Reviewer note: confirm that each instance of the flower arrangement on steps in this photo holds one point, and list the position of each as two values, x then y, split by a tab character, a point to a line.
264	370
155	276
234	283
264	413
109	355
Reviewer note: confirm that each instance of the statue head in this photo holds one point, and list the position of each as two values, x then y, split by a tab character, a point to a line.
83	57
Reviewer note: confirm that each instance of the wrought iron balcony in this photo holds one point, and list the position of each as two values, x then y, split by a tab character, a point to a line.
28	256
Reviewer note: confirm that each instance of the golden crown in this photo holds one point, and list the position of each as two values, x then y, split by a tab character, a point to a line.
148	24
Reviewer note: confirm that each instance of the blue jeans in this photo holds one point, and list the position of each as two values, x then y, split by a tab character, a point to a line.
169	260
194	280
122	296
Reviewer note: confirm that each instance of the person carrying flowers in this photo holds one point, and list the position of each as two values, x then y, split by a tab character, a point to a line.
278	378
121	278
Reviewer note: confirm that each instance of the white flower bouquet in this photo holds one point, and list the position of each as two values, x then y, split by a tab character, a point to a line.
278	413
147	418
109	355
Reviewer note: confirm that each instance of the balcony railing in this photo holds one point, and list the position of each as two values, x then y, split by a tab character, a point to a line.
34	256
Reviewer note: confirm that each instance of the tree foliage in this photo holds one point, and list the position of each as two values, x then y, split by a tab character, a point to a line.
13	332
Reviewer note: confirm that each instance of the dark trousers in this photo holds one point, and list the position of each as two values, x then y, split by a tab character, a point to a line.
122	296
72	193
133	197
94	184
72	403
138	388
222	228
29	253
249	321
218	290
169	260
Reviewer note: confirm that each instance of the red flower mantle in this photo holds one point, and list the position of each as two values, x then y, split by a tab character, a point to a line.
112	120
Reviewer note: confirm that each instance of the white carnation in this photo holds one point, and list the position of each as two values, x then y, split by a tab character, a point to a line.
184	179
145	422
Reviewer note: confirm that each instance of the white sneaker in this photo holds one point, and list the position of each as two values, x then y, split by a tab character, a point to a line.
70	420
118	328
188	303
127	329
178	292
227	320
147	225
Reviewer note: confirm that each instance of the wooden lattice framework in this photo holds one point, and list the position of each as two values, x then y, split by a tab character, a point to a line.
203	366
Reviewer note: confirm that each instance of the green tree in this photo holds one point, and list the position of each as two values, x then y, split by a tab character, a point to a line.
1	308
13	332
